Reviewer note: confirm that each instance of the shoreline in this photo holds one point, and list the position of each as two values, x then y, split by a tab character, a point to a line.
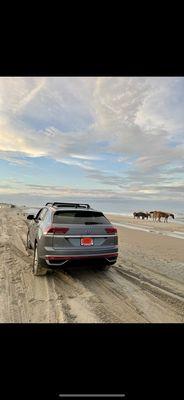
172	228
178	219
175	234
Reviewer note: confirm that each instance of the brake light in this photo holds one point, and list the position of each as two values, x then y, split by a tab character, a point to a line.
111	231
56	230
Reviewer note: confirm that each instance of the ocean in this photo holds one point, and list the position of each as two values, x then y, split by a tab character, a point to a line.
118	208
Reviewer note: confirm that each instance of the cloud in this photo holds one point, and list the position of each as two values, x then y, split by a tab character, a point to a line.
13	187
85	157
82	165
120	131
14	158
163	107
25	100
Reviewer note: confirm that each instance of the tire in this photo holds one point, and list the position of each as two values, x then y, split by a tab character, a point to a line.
38	269
28	244
103	267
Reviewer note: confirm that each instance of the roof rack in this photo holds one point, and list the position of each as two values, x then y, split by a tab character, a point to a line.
75	205
47	204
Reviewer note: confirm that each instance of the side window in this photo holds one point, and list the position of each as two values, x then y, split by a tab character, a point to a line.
41	214
38	214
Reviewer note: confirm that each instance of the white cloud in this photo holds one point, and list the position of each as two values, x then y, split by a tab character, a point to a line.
82	165
85	157
74	120
14	140
29	96
163	108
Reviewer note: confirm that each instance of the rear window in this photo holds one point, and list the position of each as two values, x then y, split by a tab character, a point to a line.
79	217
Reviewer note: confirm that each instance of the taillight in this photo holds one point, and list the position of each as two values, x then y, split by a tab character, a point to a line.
56	230
111	231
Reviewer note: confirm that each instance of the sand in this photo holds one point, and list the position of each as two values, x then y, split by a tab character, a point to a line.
152	249
146	284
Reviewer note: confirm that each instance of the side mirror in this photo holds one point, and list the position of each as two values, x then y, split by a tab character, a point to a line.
30	216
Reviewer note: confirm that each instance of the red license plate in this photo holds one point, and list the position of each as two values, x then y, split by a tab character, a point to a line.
86	241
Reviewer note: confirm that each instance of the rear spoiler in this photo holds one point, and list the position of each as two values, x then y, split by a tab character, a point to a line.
75	205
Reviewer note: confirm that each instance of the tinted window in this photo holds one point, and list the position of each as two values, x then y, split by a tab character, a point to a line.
79	217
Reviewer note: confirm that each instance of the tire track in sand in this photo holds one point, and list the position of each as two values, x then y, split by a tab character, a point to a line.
122	294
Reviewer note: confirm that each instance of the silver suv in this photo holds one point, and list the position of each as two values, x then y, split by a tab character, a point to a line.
66	233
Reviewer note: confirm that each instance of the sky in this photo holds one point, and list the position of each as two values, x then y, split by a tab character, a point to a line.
103	139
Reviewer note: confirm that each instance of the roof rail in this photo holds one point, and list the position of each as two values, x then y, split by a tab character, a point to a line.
47	204
76	205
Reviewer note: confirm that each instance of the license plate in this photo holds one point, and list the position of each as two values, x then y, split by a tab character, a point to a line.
86	241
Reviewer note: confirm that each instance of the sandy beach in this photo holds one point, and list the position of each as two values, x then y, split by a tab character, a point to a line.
153	248
146	285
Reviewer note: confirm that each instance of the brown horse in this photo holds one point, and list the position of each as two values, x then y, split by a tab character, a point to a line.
153	213
157	215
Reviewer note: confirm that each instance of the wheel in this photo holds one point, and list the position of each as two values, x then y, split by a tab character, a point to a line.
28	244
38	269
105	267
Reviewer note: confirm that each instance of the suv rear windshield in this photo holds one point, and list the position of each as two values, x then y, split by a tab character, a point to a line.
79	217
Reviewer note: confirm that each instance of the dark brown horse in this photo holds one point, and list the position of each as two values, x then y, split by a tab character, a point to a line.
141	214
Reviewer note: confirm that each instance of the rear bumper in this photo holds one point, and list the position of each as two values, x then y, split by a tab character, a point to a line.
56	260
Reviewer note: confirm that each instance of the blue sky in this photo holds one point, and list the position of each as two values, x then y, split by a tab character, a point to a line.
92	137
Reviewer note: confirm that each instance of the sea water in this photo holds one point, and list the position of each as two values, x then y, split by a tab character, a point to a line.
121	207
